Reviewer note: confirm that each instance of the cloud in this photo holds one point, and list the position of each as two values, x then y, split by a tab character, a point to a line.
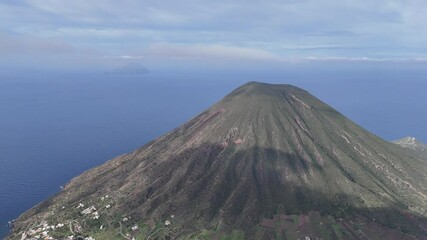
175	51
271	30
365	59
19	44
124	57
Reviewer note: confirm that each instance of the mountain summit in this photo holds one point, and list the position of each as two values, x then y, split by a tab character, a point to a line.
261	155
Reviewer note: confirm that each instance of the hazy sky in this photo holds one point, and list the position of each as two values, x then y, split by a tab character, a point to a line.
102	34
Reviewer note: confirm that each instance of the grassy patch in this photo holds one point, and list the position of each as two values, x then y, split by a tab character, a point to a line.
235	235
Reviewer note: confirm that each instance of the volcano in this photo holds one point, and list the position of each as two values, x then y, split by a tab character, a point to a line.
265	162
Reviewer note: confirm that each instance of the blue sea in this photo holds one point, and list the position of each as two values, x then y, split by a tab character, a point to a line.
54	126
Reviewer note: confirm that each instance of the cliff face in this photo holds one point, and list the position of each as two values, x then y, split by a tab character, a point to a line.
262	150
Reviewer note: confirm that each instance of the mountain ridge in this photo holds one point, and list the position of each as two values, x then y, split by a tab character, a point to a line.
261	148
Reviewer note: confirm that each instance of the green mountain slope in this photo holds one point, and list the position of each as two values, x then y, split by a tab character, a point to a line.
263	150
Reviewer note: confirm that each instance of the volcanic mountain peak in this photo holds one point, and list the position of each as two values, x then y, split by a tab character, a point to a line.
257	91
263	150
268	89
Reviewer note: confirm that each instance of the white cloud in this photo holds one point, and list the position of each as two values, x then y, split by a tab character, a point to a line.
271	30
208	51
24	45
364	59
124	57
